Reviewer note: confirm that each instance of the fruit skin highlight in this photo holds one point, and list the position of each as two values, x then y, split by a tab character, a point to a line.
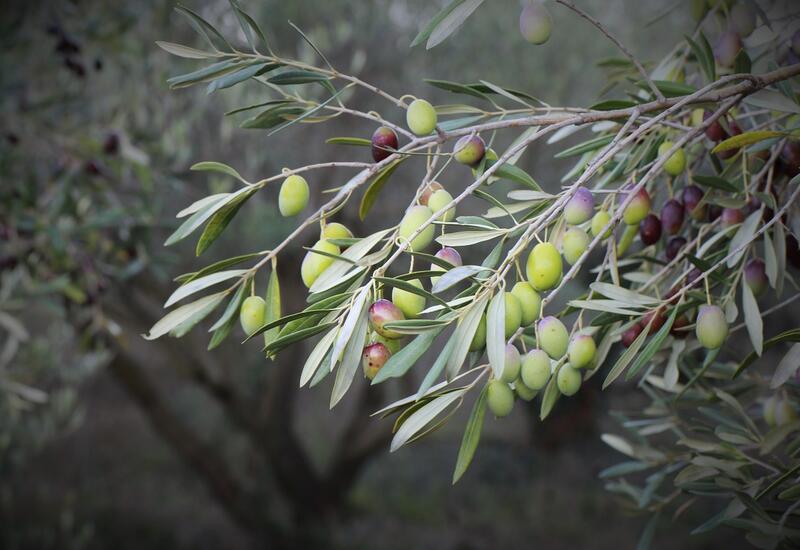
421	117
579	208
535	23
574	243
599	221
513	318
500	398
314	264
676	164
384	138
252	313
293	196
711	327
415	217
553	337
335	230
439	200
511	364
544	267
637	209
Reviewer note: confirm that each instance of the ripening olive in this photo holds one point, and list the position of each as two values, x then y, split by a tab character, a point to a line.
529	300
479	339
384	140
448	254
637	209
500	398
553	337
421	117
574	243
755	275
535	370
414	218
568	380
523	391
693	202
672	216
469	150
392	344
599	221
544	267
335	230
252	313
768	410
535	22
711	327
314	264
715	131
731	217
490	155
429	190
293	196
727	48
513	314
409	303
674	246
511	364
631	334
581	351
373	358
784	412
439	200
676	163
579	207
381	312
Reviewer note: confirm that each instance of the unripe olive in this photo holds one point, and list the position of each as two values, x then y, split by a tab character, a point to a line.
511	364
672	216
373	358
699	9
293	196
535	23
574	244
755	275
448	254
693	202
523	391
675	164
711	327
381	312
383	139
392	344
768	410
409	303
479	339
731	216
439	200
637	209
535	370
500	398
314	264
544	267
553	337
469	150
579	208
529	300
599	221
650	229
743	18
429	190
414	218
581	351
784	412
251	314
513	315
674	246
490	155
727	48
568	380
421	117
335	230
697	117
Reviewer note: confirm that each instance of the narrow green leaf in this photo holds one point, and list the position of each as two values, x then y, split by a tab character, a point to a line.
472	436
228	319
653	346
625	359
184	51
177	318
291	77
399	363
273	305
212	166
220	221
495	334
752	318
374	189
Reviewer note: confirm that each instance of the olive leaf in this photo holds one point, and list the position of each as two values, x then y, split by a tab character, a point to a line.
472	436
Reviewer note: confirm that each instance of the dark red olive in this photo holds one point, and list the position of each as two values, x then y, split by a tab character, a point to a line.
734	131
790	158
680	322
715	132
650	229
692	197
658	317
674	246
631	334
672	216
731	216
383	140
692	276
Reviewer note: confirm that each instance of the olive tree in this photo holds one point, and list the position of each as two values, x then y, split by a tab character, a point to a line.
681	204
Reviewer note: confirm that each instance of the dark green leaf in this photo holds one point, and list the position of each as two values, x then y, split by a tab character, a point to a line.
472	436
374	189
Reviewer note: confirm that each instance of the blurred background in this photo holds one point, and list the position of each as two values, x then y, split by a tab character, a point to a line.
115	442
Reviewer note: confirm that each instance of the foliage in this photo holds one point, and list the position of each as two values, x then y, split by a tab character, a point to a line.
716	131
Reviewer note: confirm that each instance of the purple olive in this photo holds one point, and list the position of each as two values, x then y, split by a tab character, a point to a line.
383	139
650	229
715	131
672	216
381	312
580	207
755	275
692	197
731	216
674	247
728	46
